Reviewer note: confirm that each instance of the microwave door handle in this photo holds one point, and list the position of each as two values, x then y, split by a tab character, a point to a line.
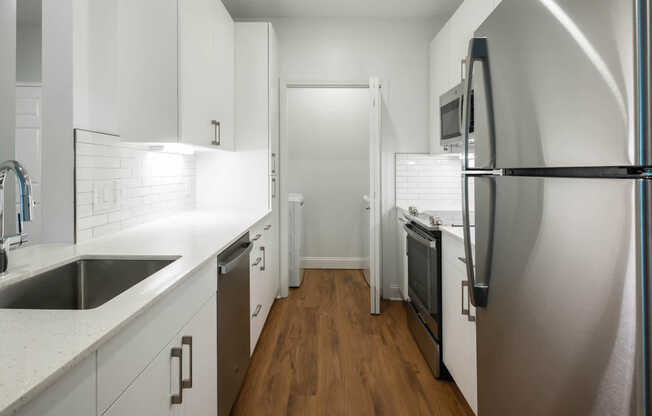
479	52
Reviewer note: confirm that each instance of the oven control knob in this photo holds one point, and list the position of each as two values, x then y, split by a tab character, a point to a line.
436	221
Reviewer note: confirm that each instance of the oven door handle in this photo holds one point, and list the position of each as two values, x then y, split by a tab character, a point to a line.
414	235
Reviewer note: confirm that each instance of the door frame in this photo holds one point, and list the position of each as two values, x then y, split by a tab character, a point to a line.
375	180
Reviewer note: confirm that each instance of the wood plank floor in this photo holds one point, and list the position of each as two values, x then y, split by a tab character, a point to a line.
322	353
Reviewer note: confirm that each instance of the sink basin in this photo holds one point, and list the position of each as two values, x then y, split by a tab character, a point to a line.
80	285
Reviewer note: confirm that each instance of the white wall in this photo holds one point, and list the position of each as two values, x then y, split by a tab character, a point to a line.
328	146
396	50
7	78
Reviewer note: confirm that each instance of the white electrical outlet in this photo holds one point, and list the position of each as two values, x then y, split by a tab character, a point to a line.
105	196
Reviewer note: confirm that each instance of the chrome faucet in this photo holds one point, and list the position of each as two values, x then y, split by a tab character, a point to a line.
24	214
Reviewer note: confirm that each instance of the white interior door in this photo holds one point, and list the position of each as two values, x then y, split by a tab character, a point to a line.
375	108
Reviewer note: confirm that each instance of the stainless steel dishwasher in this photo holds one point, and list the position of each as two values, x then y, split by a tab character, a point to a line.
233	326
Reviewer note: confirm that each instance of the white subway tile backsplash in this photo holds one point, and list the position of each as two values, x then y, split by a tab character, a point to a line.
431	183
120	185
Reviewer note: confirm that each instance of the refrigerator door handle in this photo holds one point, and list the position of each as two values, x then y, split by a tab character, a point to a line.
478	291
479	51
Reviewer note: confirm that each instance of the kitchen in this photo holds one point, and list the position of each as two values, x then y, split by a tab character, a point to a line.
256	207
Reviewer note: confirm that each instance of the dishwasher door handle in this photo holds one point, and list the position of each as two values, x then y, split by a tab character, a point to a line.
226	267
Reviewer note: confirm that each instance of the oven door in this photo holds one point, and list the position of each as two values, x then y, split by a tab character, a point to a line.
422	277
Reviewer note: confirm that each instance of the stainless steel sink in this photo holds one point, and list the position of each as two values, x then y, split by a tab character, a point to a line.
84	284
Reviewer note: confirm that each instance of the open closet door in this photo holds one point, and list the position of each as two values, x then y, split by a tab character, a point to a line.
375	109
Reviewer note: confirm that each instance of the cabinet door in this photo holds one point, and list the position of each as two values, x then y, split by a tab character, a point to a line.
199	22
478	12
147	70
402	256
274	87
439	56
150	394
201	331
224	49
274	257
271	273
462	29
255	284
95	66
252	108
459	340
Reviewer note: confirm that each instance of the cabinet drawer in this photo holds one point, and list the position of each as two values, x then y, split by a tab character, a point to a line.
125	356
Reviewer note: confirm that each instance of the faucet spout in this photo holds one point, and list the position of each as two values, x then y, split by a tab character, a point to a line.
24	184
24	201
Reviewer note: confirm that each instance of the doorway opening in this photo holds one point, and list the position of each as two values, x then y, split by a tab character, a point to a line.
330	151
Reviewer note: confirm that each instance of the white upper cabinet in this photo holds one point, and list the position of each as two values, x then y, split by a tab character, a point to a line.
439	84
206	80
95	68
256	103
147	70
157	71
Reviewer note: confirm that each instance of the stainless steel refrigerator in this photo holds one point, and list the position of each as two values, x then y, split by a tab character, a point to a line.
559	174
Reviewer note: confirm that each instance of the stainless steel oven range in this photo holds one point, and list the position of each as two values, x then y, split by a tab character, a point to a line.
425	291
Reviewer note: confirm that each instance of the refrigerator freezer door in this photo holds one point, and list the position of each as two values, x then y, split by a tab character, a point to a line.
558	335
562	76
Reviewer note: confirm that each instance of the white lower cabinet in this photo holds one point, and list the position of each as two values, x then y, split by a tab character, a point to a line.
265	274
402	256
459	339
72	395
127	354
200	398
182	378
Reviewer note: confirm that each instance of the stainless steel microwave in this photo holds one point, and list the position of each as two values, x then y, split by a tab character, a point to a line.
450	113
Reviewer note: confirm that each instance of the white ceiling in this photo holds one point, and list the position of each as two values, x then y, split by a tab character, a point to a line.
253	9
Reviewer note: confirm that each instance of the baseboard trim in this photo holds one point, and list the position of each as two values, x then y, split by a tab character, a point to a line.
395	294
352	263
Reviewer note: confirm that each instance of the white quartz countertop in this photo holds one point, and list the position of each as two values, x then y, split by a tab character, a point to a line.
38	346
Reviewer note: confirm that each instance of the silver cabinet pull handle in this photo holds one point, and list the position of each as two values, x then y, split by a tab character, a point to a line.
217	135
273	163
462	63
262	268
257	262
257	237
465	284
273	187
268	227
187	384
258	308
178	353
470	317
